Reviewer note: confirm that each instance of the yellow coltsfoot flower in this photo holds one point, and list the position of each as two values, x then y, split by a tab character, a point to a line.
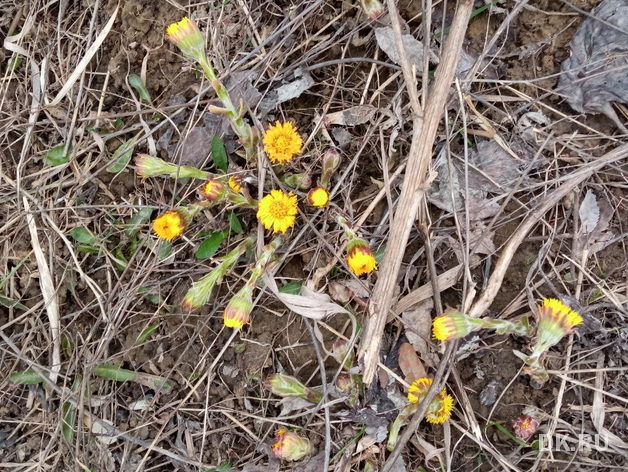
360	258
282	142
318	197
170	225
277	210
441	406
234	184
187	37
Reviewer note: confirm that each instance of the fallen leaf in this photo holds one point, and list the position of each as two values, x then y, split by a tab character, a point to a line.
357	287
418	325
414	48
310	304
410	364
196	147
589	212
339	292
351	116
103	434
294	89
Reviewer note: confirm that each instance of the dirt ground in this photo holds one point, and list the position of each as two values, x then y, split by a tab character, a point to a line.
216	413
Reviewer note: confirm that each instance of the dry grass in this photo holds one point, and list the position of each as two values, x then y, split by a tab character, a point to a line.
66	310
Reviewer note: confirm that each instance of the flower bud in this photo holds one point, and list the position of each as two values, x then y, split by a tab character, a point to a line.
452	326
287	386
150	166
213	190
351	386
331	162
188	38
302	181
339	350
556	320
373	8
290	446
525	427
238	310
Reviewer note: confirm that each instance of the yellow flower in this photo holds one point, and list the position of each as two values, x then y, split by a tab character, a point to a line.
556	310
277	211
213	189
187	37
318	197
234	184
169	225
418	389
282	142
441	406
360	257
444	406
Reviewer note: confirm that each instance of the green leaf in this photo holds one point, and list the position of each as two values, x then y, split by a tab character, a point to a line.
28	377
234	222
379	255
83	235
68	347
114	372
87	248
118	124
56	157
210	246
121	261
165	250
219	154
137	220
144	335
10	303
69	414
136	82
293	288
122	156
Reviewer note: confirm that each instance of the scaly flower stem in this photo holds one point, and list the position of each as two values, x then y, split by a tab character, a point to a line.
201	290
346	226
262	262
242	129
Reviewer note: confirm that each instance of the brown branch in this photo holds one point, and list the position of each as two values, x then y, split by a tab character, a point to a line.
412	192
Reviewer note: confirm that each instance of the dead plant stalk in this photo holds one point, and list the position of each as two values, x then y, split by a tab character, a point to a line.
424	131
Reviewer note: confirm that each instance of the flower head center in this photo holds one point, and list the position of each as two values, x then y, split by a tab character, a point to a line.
278	209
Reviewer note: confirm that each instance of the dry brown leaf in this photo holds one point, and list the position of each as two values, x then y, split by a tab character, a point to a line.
418	325
410	364
339	292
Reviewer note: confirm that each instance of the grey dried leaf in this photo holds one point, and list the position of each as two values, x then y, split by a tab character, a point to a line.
196	147
351	116
490	393
241	89
589	212
595	73
294	89
414	48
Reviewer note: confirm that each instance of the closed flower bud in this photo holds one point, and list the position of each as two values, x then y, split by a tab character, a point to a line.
213	190
188	38
238	310
339	350
452	326
373	8
331	162
302	181
284	385
290	446
150	166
